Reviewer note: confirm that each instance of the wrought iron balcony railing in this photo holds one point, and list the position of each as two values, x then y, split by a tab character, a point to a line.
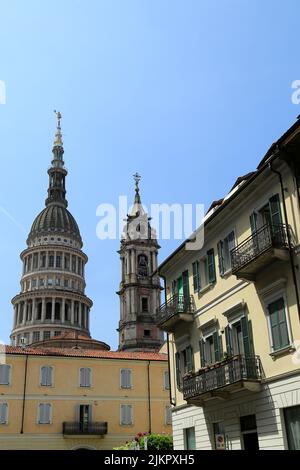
177	304
266	237
232	370
94	428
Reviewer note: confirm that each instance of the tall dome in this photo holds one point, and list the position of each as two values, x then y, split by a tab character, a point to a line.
52	307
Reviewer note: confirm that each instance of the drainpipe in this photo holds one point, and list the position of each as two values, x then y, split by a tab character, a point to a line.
24	394
172	402
149	399
288	237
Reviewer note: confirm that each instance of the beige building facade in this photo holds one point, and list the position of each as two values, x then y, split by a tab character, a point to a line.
232	314
79	399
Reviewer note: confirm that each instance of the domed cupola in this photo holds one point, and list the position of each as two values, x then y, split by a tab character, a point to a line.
52	303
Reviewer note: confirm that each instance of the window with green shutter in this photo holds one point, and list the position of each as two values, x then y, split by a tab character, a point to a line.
178	369
211	270
196	277
278	324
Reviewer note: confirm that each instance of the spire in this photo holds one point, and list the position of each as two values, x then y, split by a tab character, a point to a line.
58	136
137	208
137	198
57	173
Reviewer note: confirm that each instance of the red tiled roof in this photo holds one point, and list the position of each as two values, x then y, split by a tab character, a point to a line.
72	352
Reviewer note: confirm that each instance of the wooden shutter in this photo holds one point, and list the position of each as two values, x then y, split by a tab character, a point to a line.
185	282
211	271
274	203
4	374
278	324
178	369
202	352
123	414
216	346
43	375
221	257
228	336
253	222
196	276
44	413
189	359
166	380
246	339
3	413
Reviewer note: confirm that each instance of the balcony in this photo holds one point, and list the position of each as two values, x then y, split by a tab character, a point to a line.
178	308
84	429
265	245
223	378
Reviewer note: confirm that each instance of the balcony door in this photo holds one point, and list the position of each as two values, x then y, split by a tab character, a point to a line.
84	417
183	290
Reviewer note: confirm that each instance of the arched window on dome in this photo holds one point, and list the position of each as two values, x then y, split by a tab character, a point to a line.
143	265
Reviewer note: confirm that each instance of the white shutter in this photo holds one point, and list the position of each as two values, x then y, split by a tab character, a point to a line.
123	414
3	413
128	382
82	377
49	376
168	415
88	378
129	415
166	380
44	413
4	374
125	378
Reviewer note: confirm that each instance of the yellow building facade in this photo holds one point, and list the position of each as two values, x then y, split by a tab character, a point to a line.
232	314
81	399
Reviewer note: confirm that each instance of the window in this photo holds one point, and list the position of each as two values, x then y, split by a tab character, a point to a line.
249	432
51	261
43	260
36	336
126	415
67	262
166	380
219	435
56	333
211	270
33	283
292	426
239	339
184	364
85	377
48	310
224	248
66	282
46	335
126	375
73	263
189	438
168	415
144	304
58	261
5	374
278	324
147	333
42	282
3	413
50	282
45	411
196	276
142	265
35	261
210	349
46	376
57	281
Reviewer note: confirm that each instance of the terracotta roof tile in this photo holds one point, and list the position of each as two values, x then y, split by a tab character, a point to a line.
72	352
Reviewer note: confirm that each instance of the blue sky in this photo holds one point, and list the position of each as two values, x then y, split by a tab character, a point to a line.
189	93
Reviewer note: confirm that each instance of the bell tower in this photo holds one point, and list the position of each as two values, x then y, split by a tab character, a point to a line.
139	288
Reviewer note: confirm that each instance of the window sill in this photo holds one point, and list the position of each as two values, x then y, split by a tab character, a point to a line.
206	288
227	273
282	352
